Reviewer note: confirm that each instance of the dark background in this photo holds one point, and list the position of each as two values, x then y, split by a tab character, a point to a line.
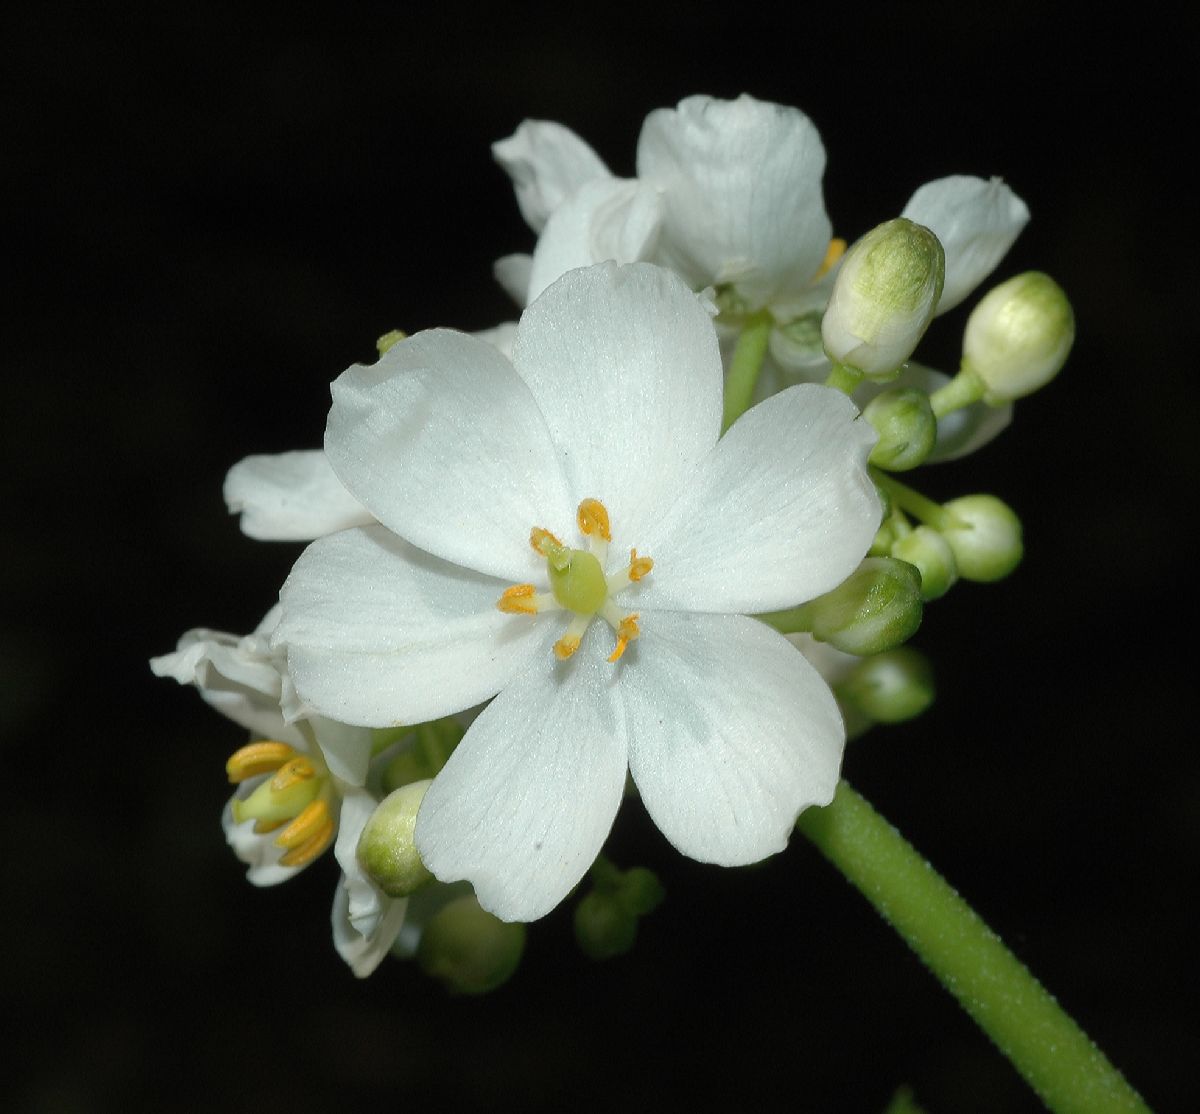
208	218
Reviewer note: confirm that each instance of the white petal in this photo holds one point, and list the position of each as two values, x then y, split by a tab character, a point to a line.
380	633
547	163
833	664
743	193
611	218
365	921
977	221
444	444
731	734
526	801
255	849
501	337
624	364
512	272
782	510
346	749
290	497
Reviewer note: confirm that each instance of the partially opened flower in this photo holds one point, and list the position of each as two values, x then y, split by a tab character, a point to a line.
524	508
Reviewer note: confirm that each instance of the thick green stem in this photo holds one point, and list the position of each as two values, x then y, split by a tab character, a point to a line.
745	366
919	506
965	388
1069	1073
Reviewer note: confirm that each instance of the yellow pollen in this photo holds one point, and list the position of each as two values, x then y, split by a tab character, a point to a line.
317	836
566	646
543	540
639	566
627	631
261	757
518	600
290	773
835	251
311	820
593	519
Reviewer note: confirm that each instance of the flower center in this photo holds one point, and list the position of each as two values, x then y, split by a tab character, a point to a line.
579	584
295	798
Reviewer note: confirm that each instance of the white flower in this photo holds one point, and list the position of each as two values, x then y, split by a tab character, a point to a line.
299	782
483	474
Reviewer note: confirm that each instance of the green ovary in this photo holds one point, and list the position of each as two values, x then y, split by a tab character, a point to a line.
577	580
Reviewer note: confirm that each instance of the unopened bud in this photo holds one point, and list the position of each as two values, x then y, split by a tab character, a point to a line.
1018	337
386	850
933	557
877	607
906	426
884	297
985	535
468	949
890	687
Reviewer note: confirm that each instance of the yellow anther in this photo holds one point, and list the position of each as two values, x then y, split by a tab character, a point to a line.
627	631
304	853
261	757
261	827
292	772
639	566
566	646
835	251
593	519
543	541
518	600
311	820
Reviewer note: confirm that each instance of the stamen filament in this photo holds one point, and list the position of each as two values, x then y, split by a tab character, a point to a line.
569	643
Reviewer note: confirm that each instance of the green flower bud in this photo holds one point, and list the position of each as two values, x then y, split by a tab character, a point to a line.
985	536
386	850
884	297
890	687
468	949
933	557
876	607
906	426
1018	337
604	927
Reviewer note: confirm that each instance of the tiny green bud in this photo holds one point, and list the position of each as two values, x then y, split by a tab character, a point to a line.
468	949
890	687
933	557
876	607
985	536
884	297
906	426
386	850
604	926
1018	337
390	340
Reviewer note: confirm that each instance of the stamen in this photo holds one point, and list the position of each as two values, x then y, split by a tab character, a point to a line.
543	541
593	519
639	566
262	827
261	757
835	251
312	819
569	643
627	631
520	599
310	849
292	772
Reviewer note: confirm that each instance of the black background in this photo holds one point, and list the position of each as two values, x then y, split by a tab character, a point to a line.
208	217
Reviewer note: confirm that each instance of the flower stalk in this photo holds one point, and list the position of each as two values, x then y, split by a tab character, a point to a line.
1055	1057
746	366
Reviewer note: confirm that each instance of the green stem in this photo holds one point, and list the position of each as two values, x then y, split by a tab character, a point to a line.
745	366
965	388
844	378
1068	1072
919	506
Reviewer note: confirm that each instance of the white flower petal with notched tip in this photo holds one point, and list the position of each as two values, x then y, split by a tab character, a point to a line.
291	496
547	164
444	444
781	510
742	193
976	220
527	799
609	219
379	632
631	391
721	758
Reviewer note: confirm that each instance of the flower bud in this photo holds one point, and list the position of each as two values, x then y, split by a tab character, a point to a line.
468	949
985	536
906	426
884	297
877	607
604	928
933	557
1018	337
890	687
386	850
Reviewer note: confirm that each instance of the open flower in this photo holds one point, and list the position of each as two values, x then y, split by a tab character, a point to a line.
524	508
300	782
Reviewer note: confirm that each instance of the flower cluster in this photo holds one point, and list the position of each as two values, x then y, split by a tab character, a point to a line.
627	544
